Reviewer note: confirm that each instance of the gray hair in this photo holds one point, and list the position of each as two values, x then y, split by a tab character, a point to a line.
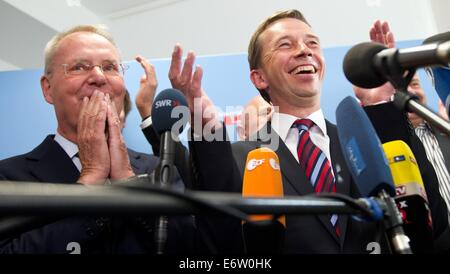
52	45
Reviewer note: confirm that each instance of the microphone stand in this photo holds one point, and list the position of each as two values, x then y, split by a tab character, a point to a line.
164	176
49	202
403	100
393	223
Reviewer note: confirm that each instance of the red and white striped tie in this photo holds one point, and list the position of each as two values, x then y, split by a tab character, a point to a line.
314	162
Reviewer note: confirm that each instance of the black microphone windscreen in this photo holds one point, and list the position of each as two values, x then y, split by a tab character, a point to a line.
264	238
359	65
362	149
438	38
163	118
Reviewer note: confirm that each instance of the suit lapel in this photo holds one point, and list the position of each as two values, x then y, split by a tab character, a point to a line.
49	163
341	174
291	171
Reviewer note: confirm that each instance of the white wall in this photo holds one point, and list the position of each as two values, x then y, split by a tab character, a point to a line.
208	27
441	9
217	27
7	66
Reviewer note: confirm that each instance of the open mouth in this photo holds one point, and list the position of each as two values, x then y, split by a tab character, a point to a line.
304	69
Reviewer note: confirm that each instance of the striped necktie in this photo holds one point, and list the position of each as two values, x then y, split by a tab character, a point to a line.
315	164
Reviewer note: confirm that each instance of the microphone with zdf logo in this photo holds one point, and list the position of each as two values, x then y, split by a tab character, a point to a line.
262	179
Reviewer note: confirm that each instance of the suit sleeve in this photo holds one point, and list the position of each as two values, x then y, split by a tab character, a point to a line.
60	237
152	138
398	127
215	170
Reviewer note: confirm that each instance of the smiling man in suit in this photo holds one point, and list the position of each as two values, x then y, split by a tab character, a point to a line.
287	66
83	80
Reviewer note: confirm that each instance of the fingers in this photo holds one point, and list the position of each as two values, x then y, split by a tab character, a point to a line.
93	114
196	86
376	32
388	35
91	139
186	74
390	41
175	64
113	120
141	60
120	164
99	109
149	70
385	27
381	33
181	77
147	88
81	121
373	34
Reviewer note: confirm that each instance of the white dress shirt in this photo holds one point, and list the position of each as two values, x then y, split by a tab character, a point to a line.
70	148
282	124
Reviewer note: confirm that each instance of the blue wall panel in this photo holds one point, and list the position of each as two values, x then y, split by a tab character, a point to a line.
26	118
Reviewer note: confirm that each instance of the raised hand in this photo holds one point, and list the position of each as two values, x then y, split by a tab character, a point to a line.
190	84
147	88
380	32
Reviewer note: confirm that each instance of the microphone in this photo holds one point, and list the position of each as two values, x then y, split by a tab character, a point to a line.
441	75
262	178
169	118
369	65
368	165
411	197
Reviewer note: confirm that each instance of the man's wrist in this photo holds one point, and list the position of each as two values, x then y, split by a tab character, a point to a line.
91	179
123	176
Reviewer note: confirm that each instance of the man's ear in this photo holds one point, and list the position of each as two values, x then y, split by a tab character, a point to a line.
46	89
258	79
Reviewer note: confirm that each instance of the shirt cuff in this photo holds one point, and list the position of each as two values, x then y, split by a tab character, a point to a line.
146	123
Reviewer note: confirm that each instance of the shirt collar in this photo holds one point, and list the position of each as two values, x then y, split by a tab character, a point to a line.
282	122
70	148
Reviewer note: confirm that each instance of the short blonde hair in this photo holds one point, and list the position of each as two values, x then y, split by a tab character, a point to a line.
52	45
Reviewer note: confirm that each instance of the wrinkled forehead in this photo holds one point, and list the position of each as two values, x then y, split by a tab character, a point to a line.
286	27
85	46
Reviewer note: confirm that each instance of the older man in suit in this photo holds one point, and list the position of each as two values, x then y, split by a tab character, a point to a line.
436	143
83	80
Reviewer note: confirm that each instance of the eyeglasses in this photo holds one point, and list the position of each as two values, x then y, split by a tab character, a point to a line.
83	68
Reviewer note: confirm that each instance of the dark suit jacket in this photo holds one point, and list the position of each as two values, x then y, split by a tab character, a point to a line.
304	234
49	163
219	167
